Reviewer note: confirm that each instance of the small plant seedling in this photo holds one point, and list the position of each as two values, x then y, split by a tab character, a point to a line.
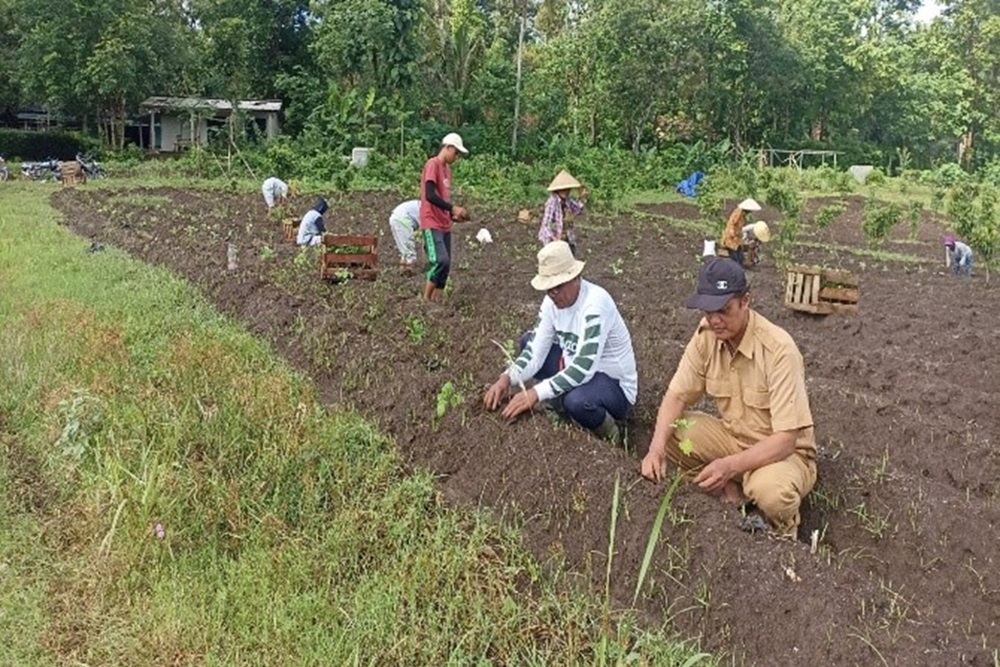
616	267
685	445
448	398
828	214
267	252
509	348
416	329
302	259
343	274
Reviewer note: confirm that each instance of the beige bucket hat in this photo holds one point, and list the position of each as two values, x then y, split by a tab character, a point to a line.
762	231
563	181
749	204
556	266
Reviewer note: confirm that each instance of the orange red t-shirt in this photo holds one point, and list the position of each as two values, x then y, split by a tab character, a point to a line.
432	217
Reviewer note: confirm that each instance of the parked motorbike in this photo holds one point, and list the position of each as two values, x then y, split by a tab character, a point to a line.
45	170
91	167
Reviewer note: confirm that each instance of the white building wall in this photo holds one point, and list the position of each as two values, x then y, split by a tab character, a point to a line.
170	128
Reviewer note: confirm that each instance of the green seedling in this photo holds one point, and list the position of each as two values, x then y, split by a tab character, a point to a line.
616	267
654	535
416	329
828	214
448	398
267	252
509	349
303	258
685	445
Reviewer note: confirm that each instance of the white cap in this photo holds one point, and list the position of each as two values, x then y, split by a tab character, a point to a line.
452	139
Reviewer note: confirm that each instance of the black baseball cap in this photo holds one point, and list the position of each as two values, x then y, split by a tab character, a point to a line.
718	282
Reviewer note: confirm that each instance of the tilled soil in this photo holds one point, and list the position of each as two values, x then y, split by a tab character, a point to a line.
904	397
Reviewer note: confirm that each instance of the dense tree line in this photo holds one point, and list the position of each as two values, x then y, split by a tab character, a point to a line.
533	77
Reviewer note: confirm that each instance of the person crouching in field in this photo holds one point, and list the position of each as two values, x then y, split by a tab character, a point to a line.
960	257
763	449
404	221
579	354
732	236
753	236
276	190
312	227
556	224
437	213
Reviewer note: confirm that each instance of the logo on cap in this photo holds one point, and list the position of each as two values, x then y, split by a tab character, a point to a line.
722	285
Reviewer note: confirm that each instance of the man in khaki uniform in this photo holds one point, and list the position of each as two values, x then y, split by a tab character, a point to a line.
763	449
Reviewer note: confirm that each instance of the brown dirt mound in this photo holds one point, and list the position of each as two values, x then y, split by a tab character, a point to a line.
904	398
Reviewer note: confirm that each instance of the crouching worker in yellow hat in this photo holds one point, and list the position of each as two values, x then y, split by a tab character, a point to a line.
556	224
731	244
753	235
579	355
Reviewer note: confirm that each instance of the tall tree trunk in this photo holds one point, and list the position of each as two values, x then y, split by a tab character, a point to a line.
517	84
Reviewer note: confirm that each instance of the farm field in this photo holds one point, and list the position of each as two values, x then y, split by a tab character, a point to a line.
904	398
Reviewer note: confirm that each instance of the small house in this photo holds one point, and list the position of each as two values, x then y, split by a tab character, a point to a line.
178	123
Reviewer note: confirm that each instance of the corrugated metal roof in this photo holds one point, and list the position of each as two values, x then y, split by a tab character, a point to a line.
181	103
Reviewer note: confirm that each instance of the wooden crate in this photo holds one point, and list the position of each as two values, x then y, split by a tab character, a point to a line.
812	289
349	256
71	174
289	230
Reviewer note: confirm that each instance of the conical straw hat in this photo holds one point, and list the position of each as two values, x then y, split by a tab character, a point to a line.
563	181
762	231
749	205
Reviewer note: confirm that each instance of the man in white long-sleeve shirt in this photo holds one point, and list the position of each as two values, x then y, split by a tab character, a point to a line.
580	352
275	190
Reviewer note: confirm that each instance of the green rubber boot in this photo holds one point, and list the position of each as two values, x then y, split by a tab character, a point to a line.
609	430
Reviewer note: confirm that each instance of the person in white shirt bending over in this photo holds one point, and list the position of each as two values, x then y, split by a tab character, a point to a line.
579	353
961	257
404	222
312	227
275	190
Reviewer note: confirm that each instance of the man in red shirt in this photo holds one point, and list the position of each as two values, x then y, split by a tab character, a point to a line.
437	213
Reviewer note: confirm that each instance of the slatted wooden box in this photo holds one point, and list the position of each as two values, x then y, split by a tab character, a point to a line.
812	289
289	230
71	174
347	257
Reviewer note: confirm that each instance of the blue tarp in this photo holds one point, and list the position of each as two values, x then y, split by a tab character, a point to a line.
688	187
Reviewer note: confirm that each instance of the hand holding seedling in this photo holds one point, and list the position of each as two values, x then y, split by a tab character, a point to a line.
460	214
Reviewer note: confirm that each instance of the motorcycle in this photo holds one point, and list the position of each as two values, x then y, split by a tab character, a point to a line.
46	170
91	167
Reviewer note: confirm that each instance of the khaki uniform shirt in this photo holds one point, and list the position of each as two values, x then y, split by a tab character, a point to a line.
759	390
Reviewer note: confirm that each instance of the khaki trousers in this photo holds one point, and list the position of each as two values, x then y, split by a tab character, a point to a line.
777	489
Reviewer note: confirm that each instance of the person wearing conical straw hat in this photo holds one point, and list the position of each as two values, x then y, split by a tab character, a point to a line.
579	355
732	236
556	225
753	235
